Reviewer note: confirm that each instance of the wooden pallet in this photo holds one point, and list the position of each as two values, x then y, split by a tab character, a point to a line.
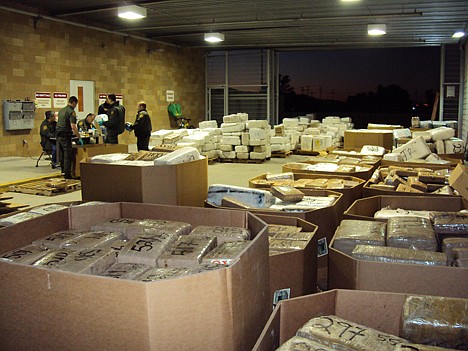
212	160
238	160
47	187
306	153
281	154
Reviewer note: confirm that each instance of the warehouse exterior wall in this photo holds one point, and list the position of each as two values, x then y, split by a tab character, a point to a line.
47	56
465	94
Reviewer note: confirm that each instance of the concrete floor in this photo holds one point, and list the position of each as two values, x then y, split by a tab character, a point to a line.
20	168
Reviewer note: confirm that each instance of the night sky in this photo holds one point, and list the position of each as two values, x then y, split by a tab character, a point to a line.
347	72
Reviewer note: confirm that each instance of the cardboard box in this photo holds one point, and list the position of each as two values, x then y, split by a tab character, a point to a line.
294	270
326	219
363	174
223	309
378	310
184	184
452	164
357	138
458	179
349	194
90	150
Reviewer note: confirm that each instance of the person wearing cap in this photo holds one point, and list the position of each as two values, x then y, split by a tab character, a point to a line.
86	125
47	131
142	127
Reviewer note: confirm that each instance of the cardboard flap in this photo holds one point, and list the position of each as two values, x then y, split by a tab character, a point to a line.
269	337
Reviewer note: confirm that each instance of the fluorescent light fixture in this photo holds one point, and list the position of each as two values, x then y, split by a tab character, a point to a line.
350	0
377	29
132	12
458	34
214	37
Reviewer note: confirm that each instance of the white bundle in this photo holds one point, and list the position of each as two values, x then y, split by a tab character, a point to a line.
370	150
442	133
109	158
257	123
257	133
290	122
401	133
101	118
208	124
413	149
186	154
249	196
230	140
232	127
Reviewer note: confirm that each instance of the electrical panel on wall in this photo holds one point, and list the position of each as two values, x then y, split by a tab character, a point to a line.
18	114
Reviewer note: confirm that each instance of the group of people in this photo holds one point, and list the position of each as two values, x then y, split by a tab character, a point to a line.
58	129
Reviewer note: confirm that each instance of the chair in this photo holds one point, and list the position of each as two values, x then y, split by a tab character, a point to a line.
44	152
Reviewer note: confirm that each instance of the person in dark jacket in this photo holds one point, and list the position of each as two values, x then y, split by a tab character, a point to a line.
85	125
116	123
142	127
47	131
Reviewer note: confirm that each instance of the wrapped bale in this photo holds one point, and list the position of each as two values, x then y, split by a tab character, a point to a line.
222	234
183	155
125	270
54	258
450	224
298	343
226	252
411	233
437	321
341	334
58	240
287	230
387	212
147	225
287	193
308	203
155	274
449	244
293	236
399	255
187	252
24	255
286	244
92	239
251	197
358	232
91	261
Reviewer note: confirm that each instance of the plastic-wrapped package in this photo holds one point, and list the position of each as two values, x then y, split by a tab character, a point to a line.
411	233
222	234
116	246
419	347
341	334
54	258
278	176
92	240
287	193
294	236
91	261
298	343
252	197
449	244
187	252
437	321
43	210
179	228
109	158
454	223
358	232
125	270
155	274
399	255
24	255
306	204
226	252
286	244
287	230
388	212
59	240
185	154
17	218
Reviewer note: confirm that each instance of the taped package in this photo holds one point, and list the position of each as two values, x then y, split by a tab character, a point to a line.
298	343
54	258
388	212
450	244
437	321
341	334
155	274
252	197
286	244
187	252
24	255
183	155
411	233
287	230
92	240
287	193
226	252
308	203
128	271
92	261
358	232
399	255
59	240
222	234
454	223
17	218
277	176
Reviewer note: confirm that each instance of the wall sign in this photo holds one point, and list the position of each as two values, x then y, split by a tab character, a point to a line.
60	100
43	100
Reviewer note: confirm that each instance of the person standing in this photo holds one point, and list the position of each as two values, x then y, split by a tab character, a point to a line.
66	129
47	131
116	123
142	127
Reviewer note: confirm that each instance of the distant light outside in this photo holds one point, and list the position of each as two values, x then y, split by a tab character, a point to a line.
377	29
132	12
458	34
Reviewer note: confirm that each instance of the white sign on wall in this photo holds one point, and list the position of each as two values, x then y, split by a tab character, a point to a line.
43	100
170	95
60	100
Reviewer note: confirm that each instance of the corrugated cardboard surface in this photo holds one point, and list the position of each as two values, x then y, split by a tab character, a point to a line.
296	270
222	310
90	150
349	194
378	310
359	138
458	179
453	163
362	174
185	184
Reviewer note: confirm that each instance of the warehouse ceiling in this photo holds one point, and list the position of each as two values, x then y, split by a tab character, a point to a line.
278	24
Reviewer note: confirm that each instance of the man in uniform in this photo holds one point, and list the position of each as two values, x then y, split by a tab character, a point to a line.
66	129
85	125
142	127
47	131
116	123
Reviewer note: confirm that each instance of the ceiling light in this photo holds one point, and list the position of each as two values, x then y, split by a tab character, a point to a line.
132	12
214	37
377	29
458	34
350	0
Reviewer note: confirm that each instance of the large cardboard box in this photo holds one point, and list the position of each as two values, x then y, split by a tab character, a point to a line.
223	309
365	173
184	184
90	150
378	310
295	271
326	219
349	194
458	179
453	162
357	138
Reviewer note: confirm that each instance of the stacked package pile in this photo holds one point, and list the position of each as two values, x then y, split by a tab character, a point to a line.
421	180
27	215
329	133
244	139
145	250
285	238
429	323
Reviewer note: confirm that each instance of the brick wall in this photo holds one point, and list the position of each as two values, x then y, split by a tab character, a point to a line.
47	57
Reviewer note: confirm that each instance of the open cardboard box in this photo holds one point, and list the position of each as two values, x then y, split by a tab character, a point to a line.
294	270
349	194
90	150
357	138
453	162
184	184
46	309
365	174
327	219
378	310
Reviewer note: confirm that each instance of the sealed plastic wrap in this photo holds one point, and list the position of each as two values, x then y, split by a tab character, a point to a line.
252	197
222	234
187	252
449	244
398	255
17	218
58	240
155	274
437	321
92	239
278	176
298	343
183	155
286	245
341	334
419	347
43	210
226	252
147	248
147	225
121	225
294	236
128	271
308	203
388	212
411	233
453	223
287	193
55	258
286	230
109	158
24	255
92	261
117	246
358	232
